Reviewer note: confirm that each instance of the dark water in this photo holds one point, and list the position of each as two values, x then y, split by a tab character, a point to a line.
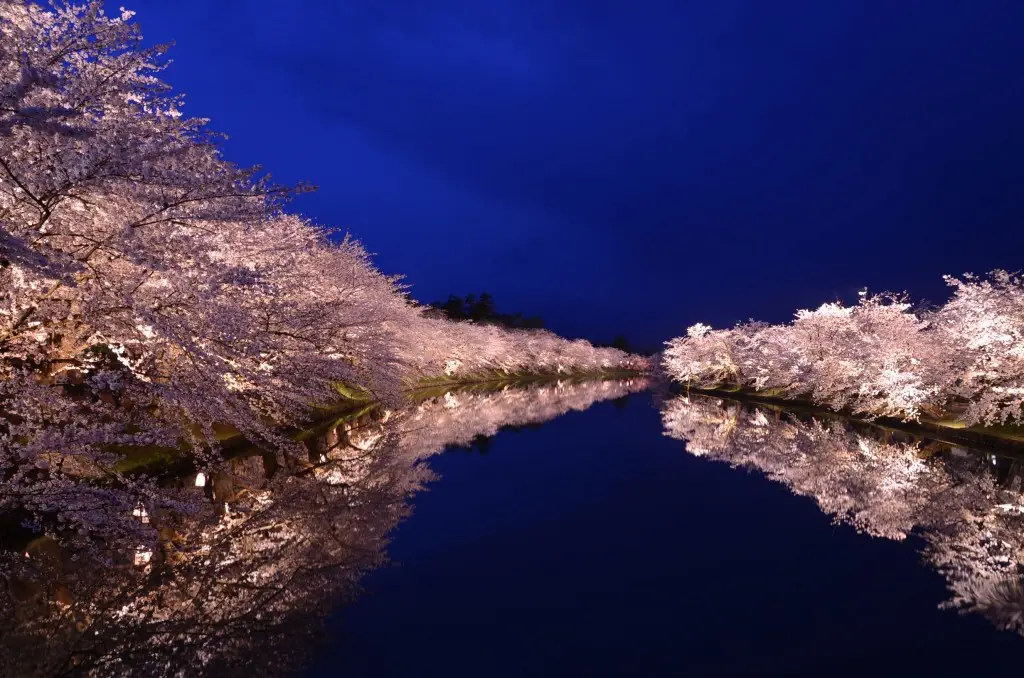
553	529
596	545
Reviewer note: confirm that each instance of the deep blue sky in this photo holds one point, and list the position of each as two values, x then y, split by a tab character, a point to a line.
630	167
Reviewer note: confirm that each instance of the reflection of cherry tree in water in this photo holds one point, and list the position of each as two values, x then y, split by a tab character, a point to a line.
971	521
459	419
206	573
219	583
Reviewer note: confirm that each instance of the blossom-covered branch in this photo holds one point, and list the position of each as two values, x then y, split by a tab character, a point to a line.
154	295
880	357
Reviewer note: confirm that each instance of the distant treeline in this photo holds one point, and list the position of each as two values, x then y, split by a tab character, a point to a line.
482	310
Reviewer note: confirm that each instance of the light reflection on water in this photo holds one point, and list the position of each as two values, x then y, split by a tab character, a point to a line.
259	552
965	505
263	549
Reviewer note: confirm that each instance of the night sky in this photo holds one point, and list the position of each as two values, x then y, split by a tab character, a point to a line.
630	167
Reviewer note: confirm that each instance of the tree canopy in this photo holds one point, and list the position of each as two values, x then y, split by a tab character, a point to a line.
483	310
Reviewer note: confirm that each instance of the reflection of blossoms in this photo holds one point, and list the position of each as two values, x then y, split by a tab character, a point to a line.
981	556
877	487
261	550
1000	599
436	423
973	529
704	429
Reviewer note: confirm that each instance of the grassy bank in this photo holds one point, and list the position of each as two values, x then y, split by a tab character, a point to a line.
951	431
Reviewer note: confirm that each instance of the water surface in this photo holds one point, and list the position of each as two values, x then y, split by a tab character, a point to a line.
597	545
550	529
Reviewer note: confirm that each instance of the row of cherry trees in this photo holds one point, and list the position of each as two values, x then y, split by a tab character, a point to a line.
880	357
150	289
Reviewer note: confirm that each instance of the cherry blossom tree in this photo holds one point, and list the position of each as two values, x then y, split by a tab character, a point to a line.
154	296
156	299
984	323
880	357
432	347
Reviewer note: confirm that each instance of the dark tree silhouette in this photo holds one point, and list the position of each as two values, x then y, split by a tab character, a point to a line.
620	342
483	310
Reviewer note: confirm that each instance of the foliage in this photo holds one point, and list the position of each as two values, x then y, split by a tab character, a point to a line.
879	357
154	296
482	310
464	349
152	293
